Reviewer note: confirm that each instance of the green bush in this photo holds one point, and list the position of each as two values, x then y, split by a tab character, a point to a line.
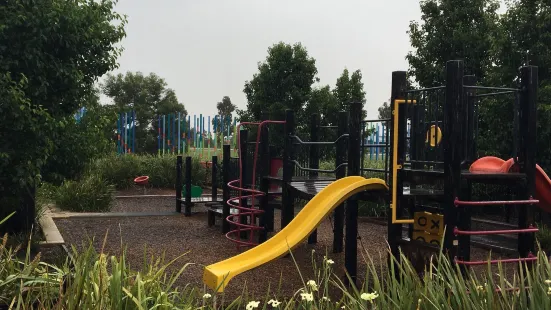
121	170
91	194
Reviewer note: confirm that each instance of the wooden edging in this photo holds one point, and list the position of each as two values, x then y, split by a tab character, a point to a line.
145	196
51	234
64	215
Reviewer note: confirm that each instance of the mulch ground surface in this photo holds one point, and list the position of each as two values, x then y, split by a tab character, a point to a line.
175	235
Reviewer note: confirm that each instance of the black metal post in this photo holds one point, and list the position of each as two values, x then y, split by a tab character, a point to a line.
244	136
399	86
226	157
452	151
179	183
287	208
187	210
528	131
351	244
266	219
338	226
314	161
464	214
214	178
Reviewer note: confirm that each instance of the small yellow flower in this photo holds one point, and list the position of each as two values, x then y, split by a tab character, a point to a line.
549	290
547	281
252	305
207	295
479	288
312	284
325	298
307	296
369	296
274	303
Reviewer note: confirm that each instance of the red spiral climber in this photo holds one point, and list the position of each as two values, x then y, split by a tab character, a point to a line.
237	202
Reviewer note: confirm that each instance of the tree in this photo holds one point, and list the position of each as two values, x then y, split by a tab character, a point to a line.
522	40
283	81
384	111
149	96
225	107
451	30
347	89
53	51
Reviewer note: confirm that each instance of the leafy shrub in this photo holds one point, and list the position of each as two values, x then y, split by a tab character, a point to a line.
120	170
91	194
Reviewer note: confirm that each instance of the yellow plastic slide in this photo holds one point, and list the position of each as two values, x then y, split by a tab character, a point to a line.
217	276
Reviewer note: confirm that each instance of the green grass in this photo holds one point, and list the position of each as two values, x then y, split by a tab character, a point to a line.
92	279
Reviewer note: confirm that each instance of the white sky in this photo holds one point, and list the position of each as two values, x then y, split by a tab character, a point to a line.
207	49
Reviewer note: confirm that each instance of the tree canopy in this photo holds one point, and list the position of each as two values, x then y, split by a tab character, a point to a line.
283	81
52	53
149	96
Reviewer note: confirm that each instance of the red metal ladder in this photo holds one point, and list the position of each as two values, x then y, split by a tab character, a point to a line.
530	229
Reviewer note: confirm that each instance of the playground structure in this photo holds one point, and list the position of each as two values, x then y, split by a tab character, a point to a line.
430	173
126	132
177	135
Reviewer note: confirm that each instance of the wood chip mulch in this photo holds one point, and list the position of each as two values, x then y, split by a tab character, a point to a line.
175	235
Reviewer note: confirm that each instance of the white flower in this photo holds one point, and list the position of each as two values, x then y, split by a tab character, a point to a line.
307	296
548	291
274	303
252	305
312	284
324	298
207	295
328	261
343	307
369	296
547	281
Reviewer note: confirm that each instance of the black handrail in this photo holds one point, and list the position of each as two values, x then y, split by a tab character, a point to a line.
300	142
492	88
425	89
297	164
494	94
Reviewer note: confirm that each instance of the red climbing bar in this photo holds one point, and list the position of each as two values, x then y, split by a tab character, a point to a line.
530	229
530	258
530	201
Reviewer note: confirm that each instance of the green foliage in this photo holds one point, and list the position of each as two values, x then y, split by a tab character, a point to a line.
90	194
77	143
284	81
450	31
149	96
52	51
121	170
347	89
384	111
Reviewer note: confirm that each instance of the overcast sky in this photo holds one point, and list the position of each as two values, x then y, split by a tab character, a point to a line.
207	49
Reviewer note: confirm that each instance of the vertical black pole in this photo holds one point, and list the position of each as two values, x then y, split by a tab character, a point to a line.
338	227
468	134
351	244
314	161
464	214
179	183
244	137
399	86
287	209
452	150
214	178
187	211
266	219
226	152
528	128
